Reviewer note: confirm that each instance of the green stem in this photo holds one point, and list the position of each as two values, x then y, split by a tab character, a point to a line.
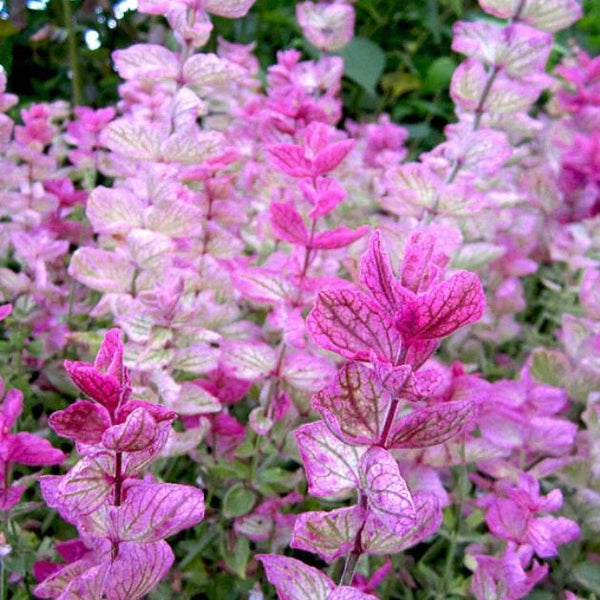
3	586
349	568
462	480
69	23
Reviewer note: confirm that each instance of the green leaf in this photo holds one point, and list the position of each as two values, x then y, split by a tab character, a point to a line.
549	367
364	62
238	559
238	501
588	575
235	470
439	74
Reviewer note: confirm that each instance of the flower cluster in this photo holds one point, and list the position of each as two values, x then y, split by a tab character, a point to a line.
122	520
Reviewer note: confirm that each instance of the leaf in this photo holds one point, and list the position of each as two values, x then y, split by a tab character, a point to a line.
136	140
551	15
468	84
153	512
137	433
294	580
174	218
290	159
508	96
410	185
446	307
340	237
207	70
364	62
150	250
248	360
354	406
238	501
351	324
332	467
377	276
476	255
232	9
194	400
29	449
328	534
85	487
102	388
260	285
150	61
378	539
432	425
189	147
416	269
439	74
237	557
288	224
550	367
327	26
137	569
114	210
306	372
526	50
83	421
196	358
101	270
345	592
387	493
587	574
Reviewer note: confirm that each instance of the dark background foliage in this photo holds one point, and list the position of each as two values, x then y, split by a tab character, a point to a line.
400	61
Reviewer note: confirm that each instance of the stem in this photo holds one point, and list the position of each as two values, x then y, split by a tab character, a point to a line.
349	568
208	218
72	48
389	419
3	586
457	524
484	95
273	383
352	558
118	478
